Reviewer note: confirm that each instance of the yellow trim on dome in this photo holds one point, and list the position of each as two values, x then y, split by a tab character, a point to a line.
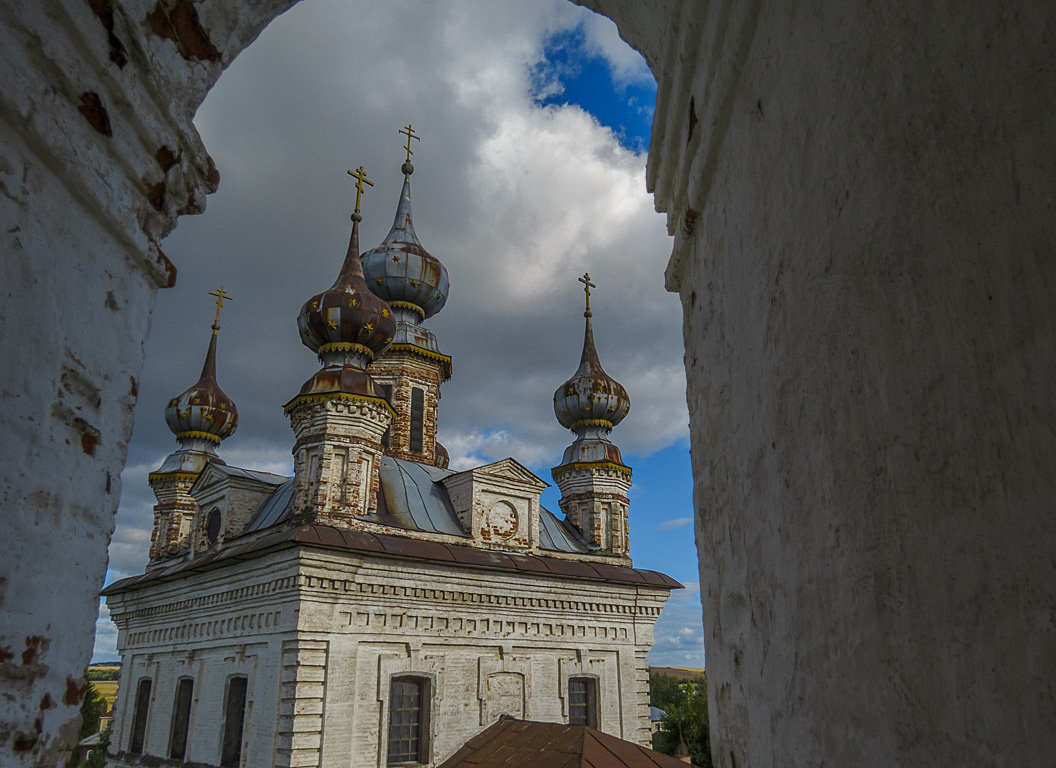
300	400
592	423
406	305
197	435
588	465
345	346
171	476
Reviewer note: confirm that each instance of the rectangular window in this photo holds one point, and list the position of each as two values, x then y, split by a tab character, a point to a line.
408	720
234	716
387	437
139	717
582	701
181	717
417	419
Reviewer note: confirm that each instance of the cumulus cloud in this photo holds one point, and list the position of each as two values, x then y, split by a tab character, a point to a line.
680	631
516	199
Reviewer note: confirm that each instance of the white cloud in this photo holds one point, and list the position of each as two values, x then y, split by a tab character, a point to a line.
670	525
603	39
517	201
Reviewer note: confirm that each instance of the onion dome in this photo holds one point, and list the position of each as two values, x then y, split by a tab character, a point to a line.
591	403
400	270
202	415
347	316
345	325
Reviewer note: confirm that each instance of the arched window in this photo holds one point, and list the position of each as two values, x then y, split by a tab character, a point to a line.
139	717
234	717
583	701
408	720
181	718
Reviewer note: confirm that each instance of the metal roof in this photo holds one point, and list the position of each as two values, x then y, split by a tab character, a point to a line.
385	545
412	497
511	742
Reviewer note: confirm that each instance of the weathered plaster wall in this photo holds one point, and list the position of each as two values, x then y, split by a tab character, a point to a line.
871	354
862	201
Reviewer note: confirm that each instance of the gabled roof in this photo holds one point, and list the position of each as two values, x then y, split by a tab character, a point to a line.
213	473
510	743
505	469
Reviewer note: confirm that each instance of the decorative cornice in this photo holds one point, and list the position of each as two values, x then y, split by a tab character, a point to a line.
345	346
172	476
197	435
407	305
303	400
592	423
589	466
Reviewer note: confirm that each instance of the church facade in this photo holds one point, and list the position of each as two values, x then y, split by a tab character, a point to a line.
379	608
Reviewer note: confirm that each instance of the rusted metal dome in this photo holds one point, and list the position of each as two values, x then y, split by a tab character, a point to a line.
203	411
347	317
400	270
591	398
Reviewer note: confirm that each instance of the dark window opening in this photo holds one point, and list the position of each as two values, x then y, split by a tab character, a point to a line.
417	419
139	717
234	716
387	437
181	717
408	720
582	701
212	525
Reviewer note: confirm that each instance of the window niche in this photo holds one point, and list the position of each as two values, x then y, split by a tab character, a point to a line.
139	717
234	719
583	701
181	718
408	741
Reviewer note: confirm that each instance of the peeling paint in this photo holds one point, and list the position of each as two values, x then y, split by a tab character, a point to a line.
95	113
182	26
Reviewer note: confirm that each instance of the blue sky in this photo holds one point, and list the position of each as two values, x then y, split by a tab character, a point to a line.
531	170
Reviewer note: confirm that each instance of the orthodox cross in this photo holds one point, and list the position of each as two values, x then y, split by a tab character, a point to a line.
220	295
409	133
587	285
361	178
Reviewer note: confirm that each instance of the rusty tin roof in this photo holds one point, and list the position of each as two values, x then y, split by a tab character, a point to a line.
385	545
511	743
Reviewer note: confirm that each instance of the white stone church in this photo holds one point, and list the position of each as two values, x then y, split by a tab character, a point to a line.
379	608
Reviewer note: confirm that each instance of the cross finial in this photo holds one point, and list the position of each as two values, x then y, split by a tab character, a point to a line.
408	131
220	295
361	178
587	285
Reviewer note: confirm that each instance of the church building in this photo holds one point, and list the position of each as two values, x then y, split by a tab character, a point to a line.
379	608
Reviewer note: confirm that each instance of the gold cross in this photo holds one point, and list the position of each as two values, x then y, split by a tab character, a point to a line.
220	295
409	133
361	178
587	285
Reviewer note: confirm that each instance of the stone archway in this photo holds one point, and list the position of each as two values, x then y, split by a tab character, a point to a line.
862	204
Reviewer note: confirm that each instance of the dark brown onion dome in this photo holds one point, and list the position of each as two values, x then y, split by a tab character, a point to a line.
591	397
203	412
443	458
347	317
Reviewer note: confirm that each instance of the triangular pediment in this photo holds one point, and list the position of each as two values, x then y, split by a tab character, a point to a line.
209	477
504	471
218	475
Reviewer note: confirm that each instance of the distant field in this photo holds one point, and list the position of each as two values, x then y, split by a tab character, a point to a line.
683	673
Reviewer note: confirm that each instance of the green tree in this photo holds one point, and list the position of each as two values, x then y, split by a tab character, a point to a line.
685	705
92	707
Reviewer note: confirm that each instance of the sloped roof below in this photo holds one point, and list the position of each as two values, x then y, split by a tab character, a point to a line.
510	743
384	545
412	497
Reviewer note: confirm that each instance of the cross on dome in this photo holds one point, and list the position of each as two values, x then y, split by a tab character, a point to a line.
220	295
408	131
587	285
361	178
